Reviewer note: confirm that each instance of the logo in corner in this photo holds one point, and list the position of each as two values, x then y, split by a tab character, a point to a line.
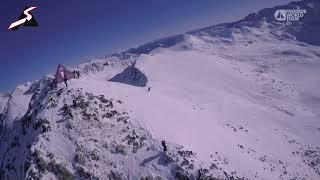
280	15
289	15
25	19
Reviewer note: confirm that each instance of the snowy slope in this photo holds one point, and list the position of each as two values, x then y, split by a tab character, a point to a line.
237	100
210	104
4	97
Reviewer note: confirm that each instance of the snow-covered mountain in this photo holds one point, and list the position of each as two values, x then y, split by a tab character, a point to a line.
236	100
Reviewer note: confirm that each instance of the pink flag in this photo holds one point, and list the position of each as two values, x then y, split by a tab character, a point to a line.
63	73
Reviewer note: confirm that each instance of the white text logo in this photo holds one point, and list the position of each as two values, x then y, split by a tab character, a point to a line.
289	14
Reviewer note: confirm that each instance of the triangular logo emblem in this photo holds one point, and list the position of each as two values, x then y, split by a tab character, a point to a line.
25	19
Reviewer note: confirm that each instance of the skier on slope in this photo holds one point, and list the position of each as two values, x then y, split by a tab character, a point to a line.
164	145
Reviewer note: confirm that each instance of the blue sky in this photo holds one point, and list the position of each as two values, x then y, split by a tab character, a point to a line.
74	31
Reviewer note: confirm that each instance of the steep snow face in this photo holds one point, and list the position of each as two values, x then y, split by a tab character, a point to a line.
77	134
4	97
234	98
18	104
238	104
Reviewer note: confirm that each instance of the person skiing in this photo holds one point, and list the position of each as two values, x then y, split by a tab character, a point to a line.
163	143
149	89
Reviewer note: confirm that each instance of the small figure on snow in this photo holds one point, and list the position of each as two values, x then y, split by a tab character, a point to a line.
149	89
164	145
134	75
76	74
